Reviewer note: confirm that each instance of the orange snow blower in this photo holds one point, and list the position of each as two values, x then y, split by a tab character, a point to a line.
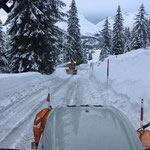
144	135
71	68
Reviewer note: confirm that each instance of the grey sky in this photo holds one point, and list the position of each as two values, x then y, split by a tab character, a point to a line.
96	10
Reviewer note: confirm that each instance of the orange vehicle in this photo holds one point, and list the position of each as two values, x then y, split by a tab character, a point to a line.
39	125
71	68
144	136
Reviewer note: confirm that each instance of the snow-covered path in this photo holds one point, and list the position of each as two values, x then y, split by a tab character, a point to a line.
16	121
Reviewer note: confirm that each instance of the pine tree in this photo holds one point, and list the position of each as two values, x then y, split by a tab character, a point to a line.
139	33
74	50
3	59
118	38
106	46
34	35
84	55
127	37
149	30
90	56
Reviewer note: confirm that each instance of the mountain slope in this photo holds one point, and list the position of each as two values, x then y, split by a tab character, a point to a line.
128	21
86	26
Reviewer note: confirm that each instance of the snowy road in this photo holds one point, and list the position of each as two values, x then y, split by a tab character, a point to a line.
16	121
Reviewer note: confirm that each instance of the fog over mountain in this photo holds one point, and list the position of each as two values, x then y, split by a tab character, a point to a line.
97	10
89	28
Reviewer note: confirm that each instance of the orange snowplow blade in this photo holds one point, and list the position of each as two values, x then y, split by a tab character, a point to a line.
39	125
145	138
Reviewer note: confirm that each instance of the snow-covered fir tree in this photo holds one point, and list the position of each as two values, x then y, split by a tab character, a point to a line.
106	46
90	56
127	38
3	59
149	31
140	30
34	35
84	55
118	37
74	50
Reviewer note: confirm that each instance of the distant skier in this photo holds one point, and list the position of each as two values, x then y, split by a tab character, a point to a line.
92	66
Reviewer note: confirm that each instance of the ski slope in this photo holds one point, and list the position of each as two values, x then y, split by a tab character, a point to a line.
23	95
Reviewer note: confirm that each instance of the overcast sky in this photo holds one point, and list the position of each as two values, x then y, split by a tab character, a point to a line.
96	10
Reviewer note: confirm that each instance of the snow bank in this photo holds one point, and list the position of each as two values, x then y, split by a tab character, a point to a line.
61	73
14	87
129	76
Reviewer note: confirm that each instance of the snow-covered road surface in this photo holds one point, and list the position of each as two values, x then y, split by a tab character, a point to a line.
23	95
16	121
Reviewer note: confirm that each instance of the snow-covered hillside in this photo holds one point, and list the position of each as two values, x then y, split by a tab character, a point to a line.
128	21
86	26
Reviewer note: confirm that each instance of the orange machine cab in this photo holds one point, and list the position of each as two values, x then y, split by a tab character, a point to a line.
39	125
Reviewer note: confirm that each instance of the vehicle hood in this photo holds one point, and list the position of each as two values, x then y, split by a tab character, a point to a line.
89	128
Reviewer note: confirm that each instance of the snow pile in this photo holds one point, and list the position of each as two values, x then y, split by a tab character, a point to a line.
15	87
129	78
61	73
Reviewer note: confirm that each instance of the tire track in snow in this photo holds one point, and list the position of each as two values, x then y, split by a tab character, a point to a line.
28	93
118	100
66	95
75	92
6	137
86	94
